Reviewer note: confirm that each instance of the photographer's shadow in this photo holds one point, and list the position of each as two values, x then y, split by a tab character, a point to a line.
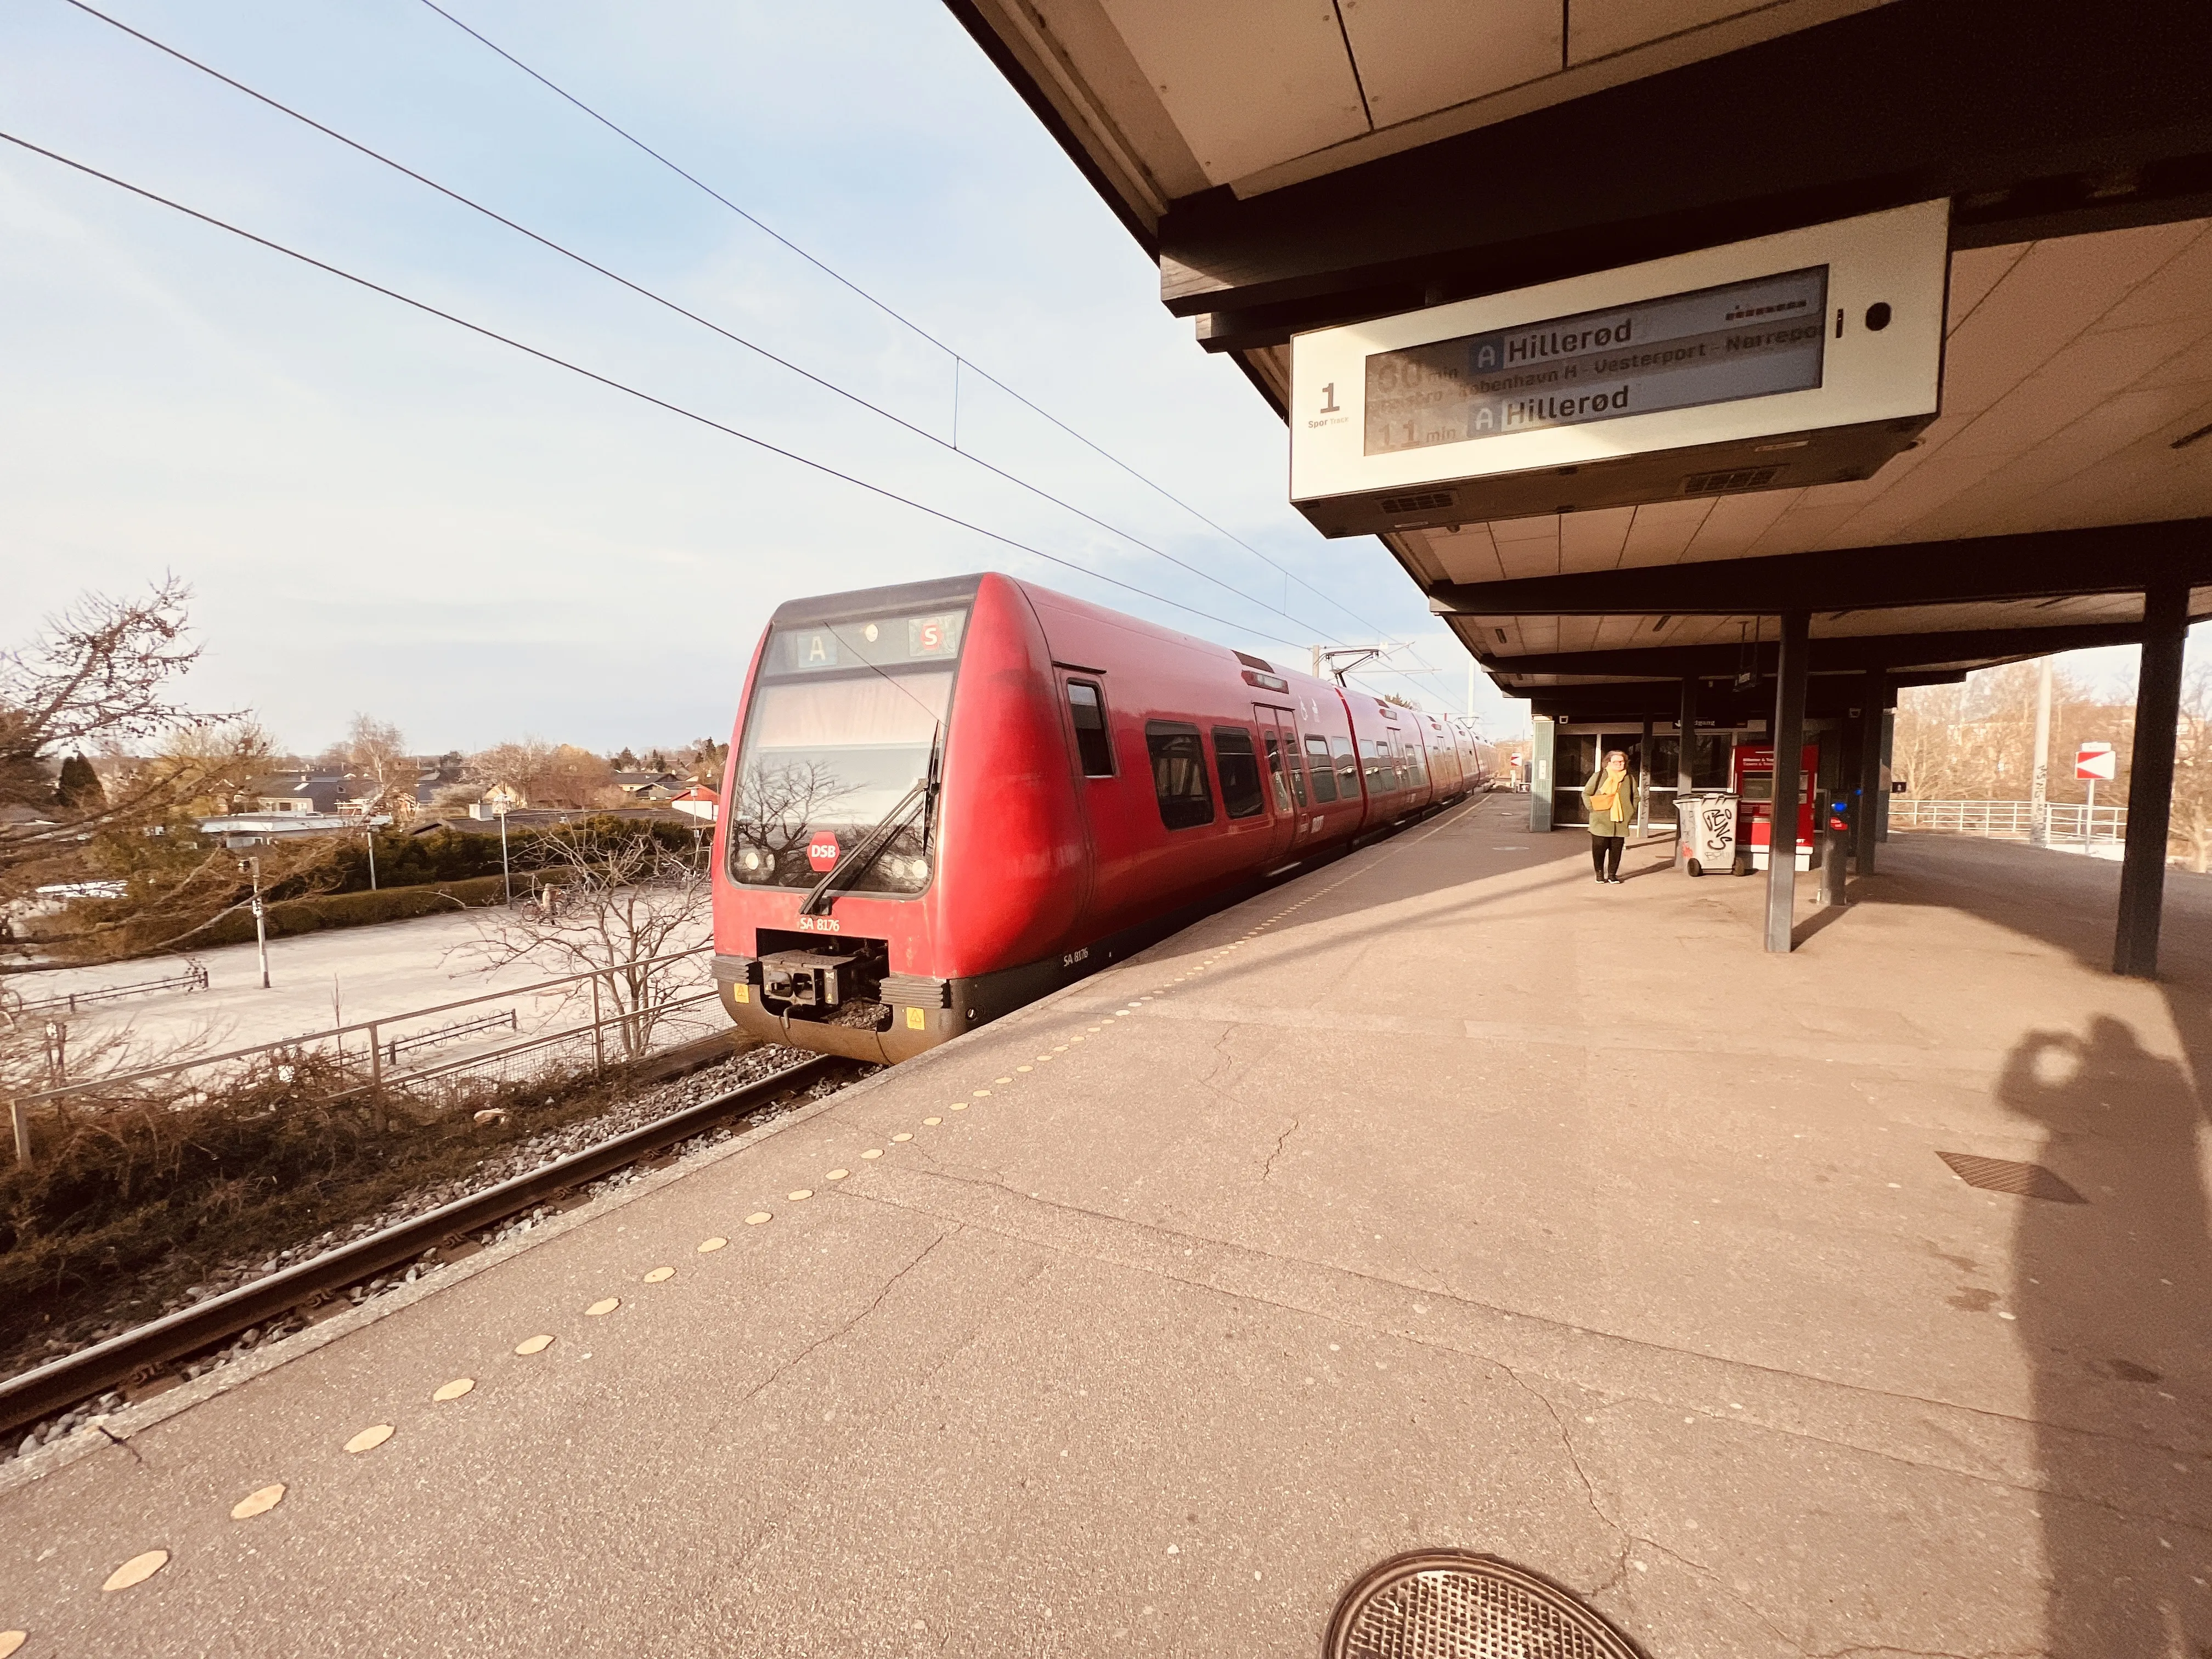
2113	1297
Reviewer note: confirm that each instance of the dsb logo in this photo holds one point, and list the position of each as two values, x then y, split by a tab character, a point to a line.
822	852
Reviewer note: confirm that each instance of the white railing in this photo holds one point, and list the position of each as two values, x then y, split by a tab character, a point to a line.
2065	823
635	1008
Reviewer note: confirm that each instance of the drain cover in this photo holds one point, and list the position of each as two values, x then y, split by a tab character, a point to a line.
1448	1604
2000	1175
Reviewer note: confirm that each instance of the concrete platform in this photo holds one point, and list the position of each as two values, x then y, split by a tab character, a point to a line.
1440	1197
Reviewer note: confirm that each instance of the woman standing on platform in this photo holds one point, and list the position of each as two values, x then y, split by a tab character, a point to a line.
1611	797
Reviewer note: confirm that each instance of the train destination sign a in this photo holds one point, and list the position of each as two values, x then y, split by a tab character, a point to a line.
1748	339
1807	357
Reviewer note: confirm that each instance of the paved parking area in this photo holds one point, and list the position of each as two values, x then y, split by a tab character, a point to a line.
1441	1196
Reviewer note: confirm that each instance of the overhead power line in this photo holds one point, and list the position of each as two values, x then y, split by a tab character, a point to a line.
618	386
639	290
959	359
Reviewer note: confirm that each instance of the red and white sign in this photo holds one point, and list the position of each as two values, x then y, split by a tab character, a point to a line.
2096	763
822	852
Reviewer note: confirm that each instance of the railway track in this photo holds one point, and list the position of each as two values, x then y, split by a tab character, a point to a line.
141	1356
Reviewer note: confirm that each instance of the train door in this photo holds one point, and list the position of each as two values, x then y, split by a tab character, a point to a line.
1286	780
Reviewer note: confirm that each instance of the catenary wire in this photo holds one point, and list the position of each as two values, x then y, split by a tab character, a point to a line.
642	396
897	316
663	300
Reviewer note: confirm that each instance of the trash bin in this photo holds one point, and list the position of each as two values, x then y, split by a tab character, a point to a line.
1707	840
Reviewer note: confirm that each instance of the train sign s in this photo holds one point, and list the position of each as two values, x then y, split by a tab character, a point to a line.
2095	761
822	852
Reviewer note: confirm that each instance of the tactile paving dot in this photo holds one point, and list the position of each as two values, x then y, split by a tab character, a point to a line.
454	1389
369	1439
931	1122
603	1307
803	1192
758	1217
902	1135
136	1571
659	1274
839	1175
259	1503
531	1345
873	1152
708	1246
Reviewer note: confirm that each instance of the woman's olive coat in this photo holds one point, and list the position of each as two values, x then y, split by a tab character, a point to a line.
1600	824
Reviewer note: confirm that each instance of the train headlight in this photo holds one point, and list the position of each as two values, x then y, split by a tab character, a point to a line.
749	859
917	869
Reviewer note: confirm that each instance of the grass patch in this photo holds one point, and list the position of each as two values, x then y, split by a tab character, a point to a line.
134	1201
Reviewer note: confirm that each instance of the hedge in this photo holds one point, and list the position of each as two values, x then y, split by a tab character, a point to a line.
306	915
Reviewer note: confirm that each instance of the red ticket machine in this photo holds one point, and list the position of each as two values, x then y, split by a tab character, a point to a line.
1752	776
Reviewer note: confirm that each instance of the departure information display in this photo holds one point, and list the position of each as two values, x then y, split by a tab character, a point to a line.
1716	345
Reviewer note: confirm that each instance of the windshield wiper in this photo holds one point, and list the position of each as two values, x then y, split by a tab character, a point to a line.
849	869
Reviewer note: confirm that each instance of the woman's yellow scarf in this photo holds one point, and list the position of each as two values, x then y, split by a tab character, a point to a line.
1606	801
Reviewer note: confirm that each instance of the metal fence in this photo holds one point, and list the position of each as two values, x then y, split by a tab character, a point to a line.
620	1013
2064	822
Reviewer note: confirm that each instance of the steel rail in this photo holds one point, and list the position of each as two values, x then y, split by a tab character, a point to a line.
58	1385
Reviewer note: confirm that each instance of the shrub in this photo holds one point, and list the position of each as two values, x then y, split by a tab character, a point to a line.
287	917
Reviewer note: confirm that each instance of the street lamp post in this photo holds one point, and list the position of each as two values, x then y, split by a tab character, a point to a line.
260	925
372	855
506	876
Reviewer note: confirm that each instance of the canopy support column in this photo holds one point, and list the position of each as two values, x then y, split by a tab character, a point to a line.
2150	780
1789	751
1866	822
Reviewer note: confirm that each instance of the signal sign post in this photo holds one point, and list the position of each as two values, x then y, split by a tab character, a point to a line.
2093	762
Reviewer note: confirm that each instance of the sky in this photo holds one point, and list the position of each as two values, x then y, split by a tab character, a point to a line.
380	512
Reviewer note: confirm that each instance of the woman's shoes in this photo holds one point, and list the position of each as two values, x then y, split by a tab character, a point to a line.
1613	881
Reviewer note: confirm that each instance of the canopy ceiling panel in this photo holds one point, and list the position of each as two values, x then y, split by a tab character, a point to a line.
1260	93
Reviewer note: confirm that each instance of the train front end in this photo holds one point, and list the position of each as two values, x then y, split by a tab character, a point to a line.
889	831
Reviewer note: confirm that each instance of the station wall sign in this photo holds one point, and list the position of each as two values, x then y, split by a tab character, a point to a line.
1807	357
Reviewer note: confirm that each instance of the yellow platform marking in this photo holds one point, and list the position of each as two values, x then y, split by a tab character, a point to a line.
902	1135
12	1639
839	1175
454	1389
605	1306
931	1122
959	1105
369	1439
253	1504
708	1246
531	1345
136	1571
660	1273
758	1217
873	1152
800	1193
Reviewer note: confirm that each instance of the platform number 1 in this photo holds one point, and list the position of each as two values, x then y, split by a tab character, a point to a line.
1328	393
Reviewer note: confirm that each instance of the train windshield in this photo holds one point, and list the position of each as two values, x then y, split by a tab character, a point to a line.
845	719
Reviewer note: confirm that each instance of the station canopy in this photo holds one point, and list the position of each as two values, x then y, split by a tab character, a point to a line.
1295	164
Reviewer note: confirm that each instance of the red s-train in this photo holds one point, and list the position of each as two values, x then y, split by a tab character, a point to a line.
947	798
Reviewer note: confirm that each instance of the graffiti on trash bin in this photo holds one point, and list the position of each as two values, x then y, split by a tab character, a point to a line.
1720	823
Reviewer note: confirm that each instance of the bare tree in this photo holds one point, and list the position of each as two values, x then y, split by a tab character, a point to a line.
96	676
376	754
548	775
610	901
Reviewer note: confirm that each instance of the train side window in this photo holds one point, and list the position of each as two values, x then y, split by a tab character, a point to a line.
1347	769
1179	773
1324	775
1296	771
1382	770
1240	772
1093	745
